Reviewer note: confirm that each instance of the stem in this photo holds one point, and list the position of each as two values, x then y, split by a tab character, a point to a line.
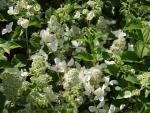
26	31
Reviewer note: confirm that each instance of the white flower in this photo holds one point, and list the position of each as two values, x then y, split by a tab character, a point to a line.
99	92
96	109
85	11
110	22
37	7
90	15
71	62
127	94
88	89
24	73
77	15
101	104
119	33
71	78
76	43
117	88
12	11
109	62
79	99
23	22
39	54
130	47
113	82
53	45
103	66
29	7
112	109
118	46
61	66
122	106
91	3
49	39
8	28
45	35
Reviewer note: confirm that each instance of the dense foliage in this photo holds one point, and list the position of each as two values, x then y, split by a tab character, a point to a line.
74	56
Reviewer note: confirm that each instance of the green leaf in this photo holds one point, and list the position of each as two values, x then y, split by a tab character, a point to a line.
113	69
7	46
141	49
19	60
35	42
132	79
146	35
35	23
16	33
2	19
147	92
84	56
147	110
13	45
130	56
4	64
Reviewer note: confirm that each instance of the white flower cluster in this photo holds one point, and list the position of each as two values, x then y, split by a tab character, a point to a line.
100	94
144	79
71	78
55	27
52	34
39	63
119	44
90	14
49	39
24	6
91	79
24	23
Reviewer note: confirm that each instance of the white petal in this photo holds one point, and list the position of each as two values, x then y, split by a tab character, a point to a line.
109	62
71	62
62	66
10	11
9	27
122	106
112	109
4	31
77	15
75	43
90	15
101	98
119	33
54	46
78	66
101	104
113	82
107	79
57	61
127	94
102	111
130	47
92	109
